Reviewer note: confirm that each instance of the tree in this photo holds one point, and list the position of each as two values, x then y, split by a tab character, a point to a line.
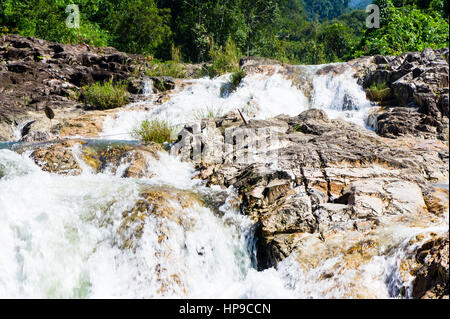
337	40
139	26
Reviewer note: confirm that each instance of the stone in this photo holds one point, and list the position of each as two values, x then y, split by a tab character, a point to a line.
414	78
432	278
70	156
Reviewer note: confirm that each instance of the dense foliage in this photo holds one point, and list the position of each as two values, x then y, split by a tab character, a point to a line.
298	31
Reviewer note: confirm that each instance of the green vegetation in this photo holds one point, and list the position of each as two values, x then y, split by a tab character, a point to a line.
379	92
157	131
106	95
222	31
413	27
168	68
224	60
236	79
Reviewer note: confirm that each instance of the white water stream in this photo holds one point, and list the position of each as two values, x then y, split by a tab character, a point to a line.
61	235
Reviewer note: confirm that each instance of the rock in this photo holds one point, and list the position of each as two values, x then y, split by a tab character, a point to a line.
432	277
326	178
37	73
159	202
57	159
171	213
419	79
163	83
394	122
112	159
68	157
136	86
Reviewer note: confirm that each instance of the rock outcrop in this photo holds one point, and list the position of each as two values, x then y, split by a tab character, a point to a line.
432	277
35	73
322	183
418	85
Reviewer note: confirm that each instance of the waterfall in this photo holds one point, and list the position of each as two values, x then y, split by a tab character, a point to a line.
69	236
258	96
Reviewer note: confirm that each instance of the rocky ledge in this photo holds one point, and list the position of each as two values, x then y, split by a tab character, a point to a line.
73	156
326	188
35	73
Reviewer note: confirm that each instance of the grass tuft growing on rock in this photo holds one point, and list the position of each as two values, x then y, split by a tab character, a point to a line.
208	113
106	95
158	131
379	92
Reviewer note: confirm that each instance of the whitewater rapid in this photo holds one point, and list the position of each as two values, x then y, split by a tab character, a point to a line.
258	96
61	235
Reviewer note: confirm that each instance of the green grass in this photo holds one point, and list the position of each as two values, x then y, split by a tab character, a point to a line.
157	131
224	60
170	68
106	95
379	92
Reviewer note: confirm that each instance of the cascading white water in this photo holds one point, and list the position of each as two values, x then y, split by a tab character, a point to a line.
62	236
258	96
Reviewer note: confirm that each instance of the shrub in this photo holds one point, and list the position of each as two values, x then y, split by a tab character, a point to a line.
224	60
168	68
106	95
158	131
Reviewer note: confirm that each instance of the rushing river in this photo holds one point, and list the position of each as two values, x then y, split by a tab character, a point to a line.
61	235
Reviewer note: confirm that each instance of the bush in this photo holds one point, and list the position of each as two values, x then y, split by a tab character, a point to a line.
107	95
224	60
155	130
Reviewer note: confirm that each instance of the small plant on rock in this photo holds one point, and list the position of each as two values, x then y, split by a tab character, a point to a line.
379	92
106	95
157	131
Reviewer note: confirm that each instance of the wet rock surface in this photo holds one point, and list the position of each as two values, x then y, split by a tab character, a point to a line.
69	157
432	277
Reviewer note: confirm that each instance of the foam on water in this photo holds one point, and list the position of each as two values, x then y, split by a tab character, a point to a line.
258	97
61	239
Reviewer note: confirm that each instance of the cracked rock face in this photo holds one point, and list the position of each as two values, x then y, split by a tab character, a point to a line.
330	177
